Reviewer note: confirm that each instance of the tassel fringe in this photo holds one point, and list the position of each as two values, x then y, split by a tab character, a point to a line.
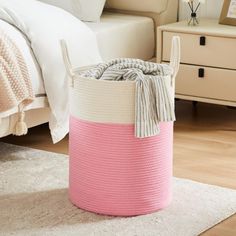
21	127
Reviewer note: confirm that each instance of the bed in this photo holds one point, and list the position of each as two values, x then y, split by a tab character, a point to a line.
118	34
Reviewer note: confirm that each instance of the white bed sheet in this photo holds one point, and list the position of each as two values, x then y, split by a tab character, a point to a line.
45	25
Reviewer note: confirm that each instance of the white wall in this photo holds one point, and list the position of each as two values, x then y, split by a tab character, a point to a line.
210	9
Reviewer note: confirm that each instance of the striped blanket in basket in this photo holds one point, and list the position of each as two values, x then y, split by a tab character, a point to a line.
154	98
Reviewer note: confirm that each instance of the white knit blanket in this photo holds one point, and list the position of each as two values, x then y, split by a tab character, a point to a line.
154	102
15	85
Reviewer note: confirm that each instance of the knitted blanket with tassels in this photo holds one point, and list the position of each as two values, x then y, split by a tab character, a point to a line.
15	85
154	101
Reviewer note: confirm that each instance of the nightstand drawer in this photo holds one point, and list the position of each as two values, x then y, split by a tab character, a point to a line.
212	83
217	51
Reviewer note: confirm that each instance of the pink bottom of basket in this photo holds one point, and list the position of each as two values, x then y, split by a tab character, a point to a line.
114	173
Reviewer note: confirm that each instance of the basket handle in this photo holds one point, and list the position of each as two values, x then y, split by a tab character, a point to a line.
175	58
66	59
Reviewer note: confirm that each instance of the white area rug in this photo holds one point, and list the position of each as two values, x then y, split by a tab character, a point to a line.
34	201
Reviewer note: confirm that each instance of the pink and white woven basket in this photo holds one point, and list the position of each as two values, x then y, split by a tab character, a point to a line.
111	171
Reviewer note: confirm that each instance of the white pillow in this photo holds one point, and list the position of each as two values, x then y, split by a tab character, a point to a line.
85	10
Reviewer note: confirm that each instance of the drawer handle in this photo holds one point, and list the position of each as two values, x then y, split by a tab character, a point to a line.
201	73
202	40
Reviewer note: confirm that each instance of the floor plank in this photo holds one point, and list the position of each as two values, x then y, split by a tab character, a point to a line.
204	149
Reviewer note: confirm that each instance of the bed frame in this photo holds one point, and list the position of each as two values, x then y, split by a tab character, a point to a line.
36	114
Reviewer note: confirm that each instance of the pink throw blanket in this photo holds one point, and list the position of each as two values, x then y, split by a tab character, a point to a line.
15	85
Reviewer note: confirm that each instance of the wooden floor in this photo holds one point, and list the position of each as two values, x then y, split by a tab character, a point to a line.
204	149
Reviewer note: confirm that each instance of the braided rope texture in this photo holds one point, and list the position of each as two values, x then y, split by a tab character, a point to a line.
114	173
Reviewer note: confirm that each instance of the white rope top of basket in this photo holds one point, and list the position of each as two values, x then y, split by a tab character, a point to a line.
174	60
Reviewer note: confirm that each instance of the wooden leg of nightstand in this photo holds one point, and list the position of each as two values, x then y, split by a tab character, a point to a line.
230	107
194	103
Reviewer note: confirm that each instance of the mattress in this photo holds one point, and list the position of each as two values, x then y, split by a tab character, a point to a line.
121	35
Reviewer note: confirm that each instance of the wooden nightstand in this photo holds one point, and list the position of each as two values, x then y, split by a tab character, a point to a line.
208	60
